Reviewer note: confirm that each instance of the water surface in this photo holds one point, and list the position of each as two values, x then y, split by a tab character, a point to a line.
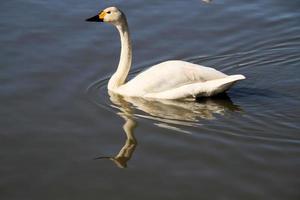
57	117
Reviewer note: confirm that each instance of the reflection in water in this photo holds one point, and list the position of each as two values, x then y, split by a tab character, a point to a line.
130	144
168	112
127	150
178	112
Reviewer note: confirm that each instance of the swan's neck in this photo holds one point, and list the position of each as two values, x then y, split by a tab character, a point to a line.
119	77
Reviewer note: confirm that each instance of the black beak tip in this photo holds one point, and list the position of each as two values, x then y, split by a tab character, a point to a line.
94	19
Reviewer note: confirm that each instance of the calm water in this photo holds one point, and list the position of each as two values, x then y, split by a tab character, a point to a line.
57	118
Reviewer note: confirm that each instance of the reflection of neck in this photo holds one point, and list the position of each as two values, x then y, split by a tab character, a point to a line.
130	124
120	75
127	150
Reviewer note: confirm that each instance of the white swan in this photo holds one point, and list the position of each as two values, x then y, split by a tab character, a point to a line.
173	79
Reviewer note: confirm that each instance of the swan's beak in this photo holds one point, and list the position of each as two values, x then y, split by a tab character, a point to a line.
97	18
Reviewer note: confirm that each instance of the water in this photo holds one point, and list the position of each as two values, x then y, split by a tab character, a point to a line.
57	118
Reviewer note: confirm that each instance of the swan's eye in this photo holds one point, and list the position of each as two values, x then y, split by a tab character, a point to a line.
108	12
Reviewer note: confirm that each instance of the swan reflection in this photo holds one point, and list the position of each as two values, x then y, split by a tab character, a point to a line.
127	150
166	114
175	111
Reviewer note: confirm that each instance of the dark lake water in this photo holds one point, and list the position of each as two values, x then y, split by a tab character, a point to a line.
57	118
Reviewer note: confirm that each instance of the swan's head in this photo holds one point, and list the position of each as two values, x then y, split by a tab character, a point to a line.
110	15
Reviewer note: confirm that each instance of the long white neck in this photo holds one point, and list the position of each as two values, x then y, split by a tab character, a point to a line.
119	77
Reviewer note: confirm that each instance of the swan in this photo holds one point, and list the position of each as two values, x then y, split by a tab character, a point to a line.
173	79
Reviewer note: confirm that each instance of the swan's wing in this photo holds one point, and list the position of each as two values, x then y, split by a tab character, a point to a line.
208	88
169	75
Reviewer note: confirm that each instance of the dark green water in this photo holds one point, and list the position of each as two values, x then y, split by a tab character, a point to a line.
56	116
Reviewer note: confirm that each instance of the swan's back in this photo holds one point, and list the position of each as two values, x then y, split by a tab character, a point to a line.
169	75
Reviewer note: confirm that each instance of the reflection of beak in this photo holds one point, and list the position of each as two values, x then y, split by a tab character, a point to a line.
97	18
101	157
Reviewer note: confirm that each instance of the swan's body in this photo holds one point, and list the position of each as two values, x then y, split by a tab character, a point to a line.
176	80
167	80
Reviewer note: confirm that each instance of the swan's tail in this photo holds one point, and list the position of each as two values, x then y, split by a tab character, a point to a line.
218	86
208	88
236	77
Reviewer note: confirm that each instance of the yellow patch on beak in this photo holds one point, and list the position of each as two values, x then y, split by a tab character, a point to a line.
102	15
